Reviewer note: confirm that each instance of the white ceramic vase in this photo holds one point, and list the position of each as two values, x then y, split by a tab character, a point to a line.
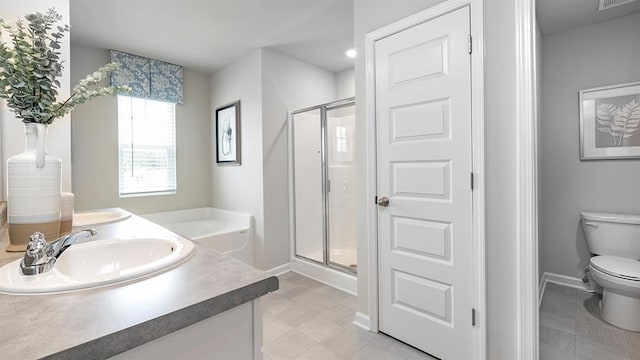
33	190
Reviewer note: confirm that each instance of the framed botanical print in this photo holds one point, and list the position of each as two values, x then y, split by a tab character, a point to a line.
610	122
228	134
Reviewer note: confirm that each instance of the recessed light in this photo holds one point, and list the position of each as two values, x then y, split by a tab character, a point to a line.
351	53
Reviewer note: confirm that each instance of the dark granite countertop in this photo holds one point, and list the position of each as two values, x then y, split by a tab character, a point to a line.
102	322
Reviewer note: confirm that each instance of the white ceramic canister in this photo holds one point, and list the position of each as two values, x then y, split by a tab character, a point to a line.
33	190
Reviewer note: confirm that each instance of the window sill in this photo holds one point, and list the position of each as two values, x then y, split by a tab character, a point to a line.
155	193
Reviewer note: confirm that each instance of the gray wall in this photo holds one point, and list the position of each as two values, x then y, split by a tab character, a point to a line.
602	54
94	147
269	84
345	84
239	188
287	84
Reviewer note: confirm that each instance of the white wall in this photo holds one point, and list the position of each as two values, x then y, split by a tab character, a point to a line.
239	188
538	45
500	176
345	83
95	145
287	84
602	54
59	137
3	170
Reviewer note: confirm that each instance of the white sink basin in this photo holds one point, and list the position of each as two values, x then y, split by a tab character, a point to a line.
92	218
99	263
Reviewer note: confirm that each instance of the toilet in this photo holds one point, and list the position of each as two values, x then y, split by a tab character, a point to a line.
614	241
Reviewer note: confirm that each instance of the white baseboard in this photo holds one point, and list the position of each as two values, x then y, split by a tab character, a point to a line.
279	270
362	321
564	280
331	277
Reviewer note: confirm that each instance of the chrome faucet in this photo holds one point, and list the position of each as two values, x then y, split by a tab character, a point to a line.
40	256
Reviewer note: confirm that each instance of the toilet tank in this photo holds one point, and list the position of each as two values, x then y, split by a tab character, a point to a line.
612	234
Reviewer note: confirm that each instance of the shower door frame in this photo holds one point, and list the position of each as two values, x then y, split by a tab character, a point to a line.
324	152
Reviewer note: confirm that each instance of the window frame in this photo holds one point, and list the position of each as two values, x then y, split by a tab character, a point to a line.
170	149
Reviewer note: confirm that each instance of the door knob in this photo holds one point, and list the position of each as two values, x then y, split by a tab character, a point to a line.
383	201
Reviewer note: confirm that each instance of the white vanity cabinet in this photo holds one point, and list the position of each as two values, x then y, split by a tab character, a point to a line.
234	334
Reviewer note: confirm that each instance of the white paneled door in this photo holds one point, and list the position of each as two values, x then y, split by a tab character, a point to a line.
424	165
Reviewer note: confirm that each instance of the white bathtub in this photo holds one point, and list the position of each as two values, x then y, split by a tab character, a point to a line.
226	231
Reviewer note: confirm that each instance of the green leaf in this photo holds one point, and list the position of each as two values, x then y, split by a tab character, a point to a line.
30	64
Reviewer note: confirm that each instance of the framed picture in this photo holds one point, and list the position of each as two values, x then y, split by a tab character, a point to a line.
610	122
228	134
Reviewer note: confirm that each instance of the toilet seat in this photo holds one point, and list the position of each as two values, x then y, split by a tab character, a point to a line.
619	267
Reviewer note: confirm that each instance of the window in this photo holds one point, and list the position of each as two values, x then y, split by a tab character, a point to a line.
341	139
146	146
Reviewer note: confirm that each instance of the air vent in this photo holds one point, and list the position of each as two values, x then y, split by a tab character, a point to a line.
608	4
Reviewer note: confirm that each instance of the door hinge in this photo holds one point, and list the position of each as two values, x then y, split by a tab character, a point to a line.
470	44
473	317
472	181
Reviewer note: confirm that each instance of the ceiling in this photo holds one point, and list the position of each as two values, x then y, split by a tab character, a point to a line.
206	35
561	15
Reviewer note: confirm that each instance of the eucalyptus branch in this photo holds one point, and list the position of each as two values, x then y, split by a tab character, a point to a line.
30	66
66	101
50	120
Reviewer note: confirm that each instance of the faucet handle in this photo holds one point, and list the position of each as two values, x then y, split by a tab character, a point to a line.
37	242
37	250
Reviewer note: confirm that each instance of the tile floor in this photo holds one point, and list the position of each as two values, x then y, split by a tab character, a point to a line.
571	328
307	320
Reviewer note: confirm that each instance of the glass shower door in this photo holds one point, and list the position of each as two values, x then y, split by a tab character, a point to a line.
308	184
324	184
341	191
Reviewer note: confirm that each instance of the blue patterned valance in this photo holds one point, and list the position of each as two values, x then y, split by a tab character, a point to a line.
148	78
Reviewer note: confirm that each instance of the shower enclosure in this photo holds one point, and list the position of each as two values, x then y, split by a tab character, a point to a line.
324	194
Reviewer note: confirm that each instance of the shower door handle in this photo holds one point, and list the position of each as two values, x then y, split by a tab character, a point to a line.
383	201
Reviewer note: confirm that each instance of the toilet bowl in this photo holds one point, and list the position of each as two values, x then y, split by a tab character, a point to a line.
614	240
620	305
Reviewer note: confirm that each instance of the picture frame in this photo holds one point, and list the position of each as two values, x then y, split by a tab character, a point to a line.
228	134
610	122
